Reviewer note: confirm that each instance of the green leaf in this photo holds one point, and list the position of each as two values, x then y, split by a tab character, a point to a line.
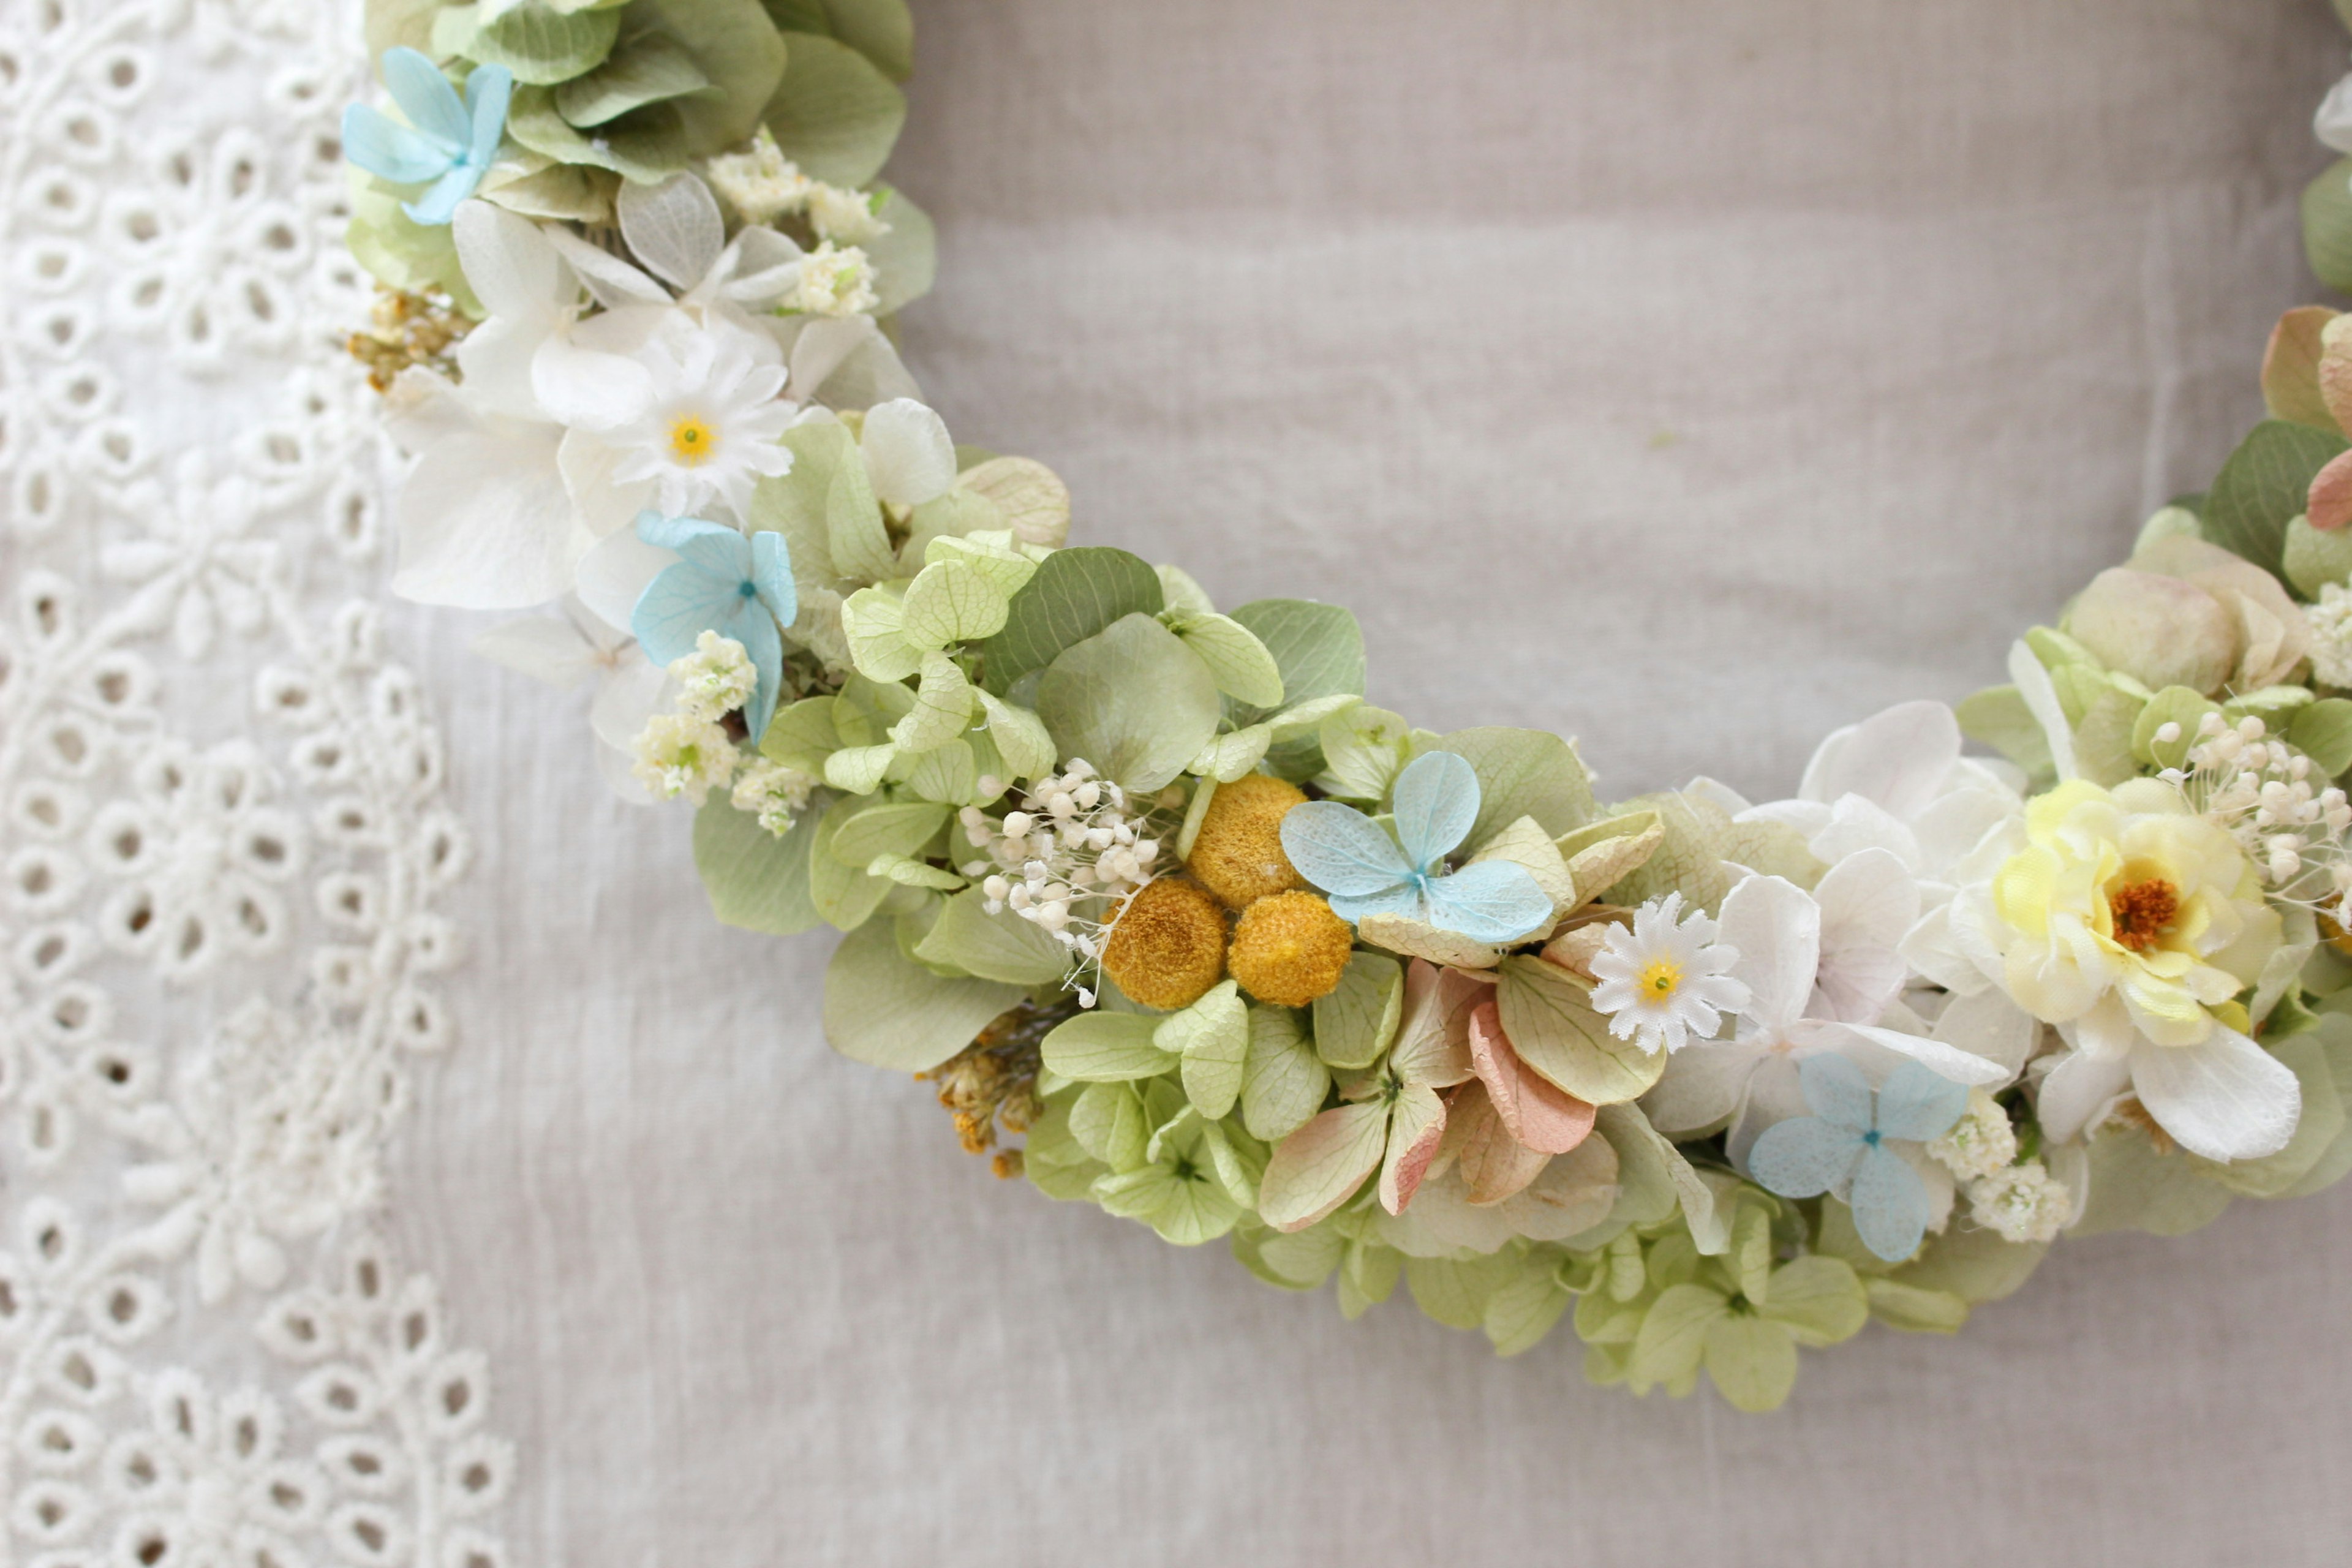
561	191
2266	483
1318	650
1673	1338
401	251
643	70
1915	1310
1752	1363
802	735
874	620
884	1010
542	46
1108	1122
1354	1022
2173	705
833	115
1525	773
839	889
1972	1264
1524	1308
1550	1018
2134	1188
1364	748
1455	1293
881	30
1283	1081
952	602
2327	225
942	707
1105	1048
2323	731
1020	735
755	880
645	145
1998	717
1244	669
1000	946
1212	1037
1132	701
1234	756
885	828
1647	1162
1075	594
733	44
1819	1300
905	263
2312	560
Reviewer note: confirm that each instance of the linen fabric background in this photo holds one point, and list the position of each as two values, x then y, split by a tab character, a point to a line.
1688	376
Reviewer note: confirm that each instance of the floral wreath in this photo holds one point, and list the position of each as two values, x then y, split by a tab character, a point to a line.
1238	954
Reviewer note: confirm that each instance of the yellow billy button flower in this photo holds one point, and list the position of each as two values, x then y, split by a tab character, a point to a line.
2126	898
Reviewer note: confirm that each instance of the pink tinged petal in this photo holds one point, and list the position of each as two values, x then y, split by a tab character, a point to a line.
484	523
1321	1165
2226	1098
1416	1128
1897	759
1777	928
1494	1163
1545	1117
2331	494
1432	1044
2076	1093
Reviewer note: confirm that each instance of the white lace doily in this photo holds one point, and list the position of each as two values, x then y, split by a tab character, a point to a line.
225	854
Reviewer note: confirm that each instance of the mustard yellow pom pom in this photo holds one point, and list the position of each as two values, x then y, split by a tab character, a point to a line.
1168	946
1290	948
1238	854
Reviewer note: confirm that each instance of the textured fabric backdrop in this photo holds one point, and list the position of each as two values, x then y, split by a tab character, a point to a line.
1690	377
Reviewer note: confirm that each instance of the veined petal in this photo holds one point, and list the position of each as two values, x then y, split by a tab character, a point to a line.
755	628
908	455
1890	1204
673	228
1493	901
580	385
679	532
771	570
426	95
1868	902
1403	898
1436	802
1897	759
1702	1084
1918	1105
2076	1093
1837	1090
1946	1061
432	209
484	523
509	263
1777	929
1416	1127
2226	1098
1537	1114
488	94
1804	1157
1342	851
1321	1165
393	151
678	607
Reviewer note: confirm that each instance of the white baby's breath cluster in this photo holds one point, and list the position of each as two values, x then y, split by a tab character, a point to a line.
2330	620
2022	1203
774	792
1080	848
1980	1142
2267	795
836	282
715	679
762	184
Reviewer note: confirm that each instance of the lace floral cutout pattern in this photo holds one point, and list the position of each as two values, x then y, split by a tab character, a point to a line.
223	842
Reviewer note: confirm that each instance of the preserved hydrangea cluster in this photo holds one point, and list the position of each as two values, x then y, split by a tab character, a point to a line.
1154	887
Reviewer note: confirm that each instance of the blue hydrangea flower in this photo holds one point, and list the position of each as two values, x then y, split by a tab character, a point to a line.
446	142
1364	872
1842	1147
741	588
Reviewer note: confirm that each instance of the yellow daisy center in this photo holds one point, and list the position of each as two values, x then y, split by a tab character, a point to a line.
691	439
1661	979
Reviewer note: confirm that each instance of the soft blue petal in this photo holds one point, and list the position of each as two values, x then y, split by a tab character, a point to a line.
771	569
1436	802
676	608
1919	1104
426	95
1403	898
439	205
1804	1156
720	553
1836	1090
756	630
1341	850
1493	901
385	148
487	92
1890	1204
673	533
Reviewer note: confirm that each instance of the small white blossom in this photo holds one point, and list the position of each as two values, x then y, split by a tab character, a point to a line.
2291	823
777	794
1663	980
2331	635
2022	1203
844	215
717	678
1069	860
836	282
679	754
1980	1142
760	182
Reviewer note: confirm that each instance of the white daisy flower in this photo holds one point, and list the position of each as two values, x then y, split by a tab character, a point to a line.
1662	981
709	424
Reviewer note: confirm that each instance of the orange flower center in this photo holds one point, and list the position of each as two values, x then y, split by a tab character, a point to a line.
2142	913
